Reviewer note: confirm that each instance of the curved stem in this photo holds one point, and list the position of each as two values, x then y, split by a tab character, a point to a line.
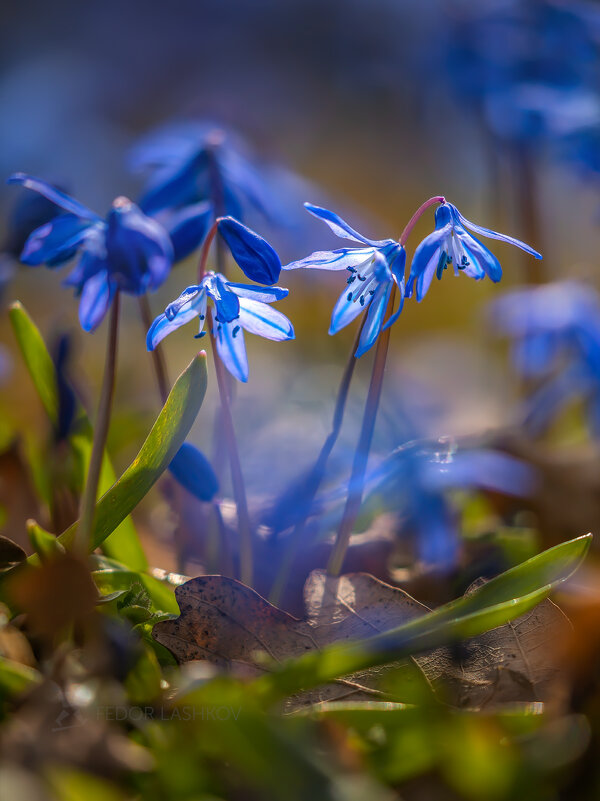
88	500
418	213
205	251
362	451
237	477
158	356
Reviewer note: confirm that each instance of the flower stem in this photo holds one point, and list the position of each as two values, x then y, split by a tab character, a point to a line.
418	213
158	356
237	477
206	250
315	477
88	500
362	451
361	454
529	208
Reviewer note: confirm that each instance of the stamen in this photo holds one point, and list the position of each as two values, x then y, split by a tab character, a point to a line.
235	331
200	335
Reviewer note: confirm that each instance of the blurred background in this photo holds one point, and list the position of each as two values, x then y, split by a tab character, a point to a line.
372	107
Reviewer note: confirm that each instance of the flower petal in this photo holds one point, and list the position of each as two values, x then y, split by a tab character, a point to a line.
341	228
340	259
374	321
226	302
96	297
232	349
262	293
194	305
138	248
257	259
259	318
492	234
176	186
425	260
56	241
53	194
188	227
483	257
346	309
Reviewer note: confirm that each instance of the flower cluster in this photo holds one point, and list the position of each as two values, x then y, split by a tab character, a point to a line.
380	264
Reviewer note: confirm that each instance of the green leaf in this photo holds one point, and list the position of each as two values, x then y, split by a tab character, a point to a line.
501	599
162	443
123	543
45	544
113	577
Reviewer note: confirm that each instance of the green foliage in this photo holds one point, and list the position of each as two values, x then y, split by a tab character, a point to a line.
504	598
123	544
162	443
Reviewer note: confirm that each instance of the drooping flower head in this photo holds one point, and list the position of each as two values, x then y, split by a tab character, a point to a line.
237	308
452	245
374	269
203	161
127	251
555	332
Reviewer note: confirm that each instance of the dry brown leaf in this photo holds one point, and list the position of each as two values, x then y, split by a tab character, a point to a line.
227	623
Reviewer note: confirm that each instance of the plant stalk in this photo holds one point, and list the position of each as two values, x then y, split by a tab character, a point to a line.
237	477
158	357
88	500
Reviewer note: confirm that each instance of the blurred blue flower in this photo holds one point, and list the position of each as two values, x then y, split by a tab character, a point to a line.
419	474
528	67
128	251
451	244
187	228
556	340
238	307
28	213
373	269
202	161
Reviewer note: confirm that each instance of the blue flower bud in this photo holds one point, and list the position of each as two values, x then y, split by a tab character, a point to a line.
193	471
257	259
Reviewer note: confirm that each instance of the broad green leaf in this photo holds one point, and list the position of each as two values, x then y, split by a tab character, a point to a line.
501	599
162	443
123	544
15	678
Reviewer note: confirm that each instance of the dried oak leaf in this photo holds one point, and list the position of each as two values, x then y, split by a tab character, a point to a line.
228	624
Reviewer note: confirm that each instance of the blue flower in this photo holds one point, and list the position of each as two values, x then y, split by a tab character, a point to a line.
374	269
420	474
452	245
238	307
556	340
127	251
195	162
